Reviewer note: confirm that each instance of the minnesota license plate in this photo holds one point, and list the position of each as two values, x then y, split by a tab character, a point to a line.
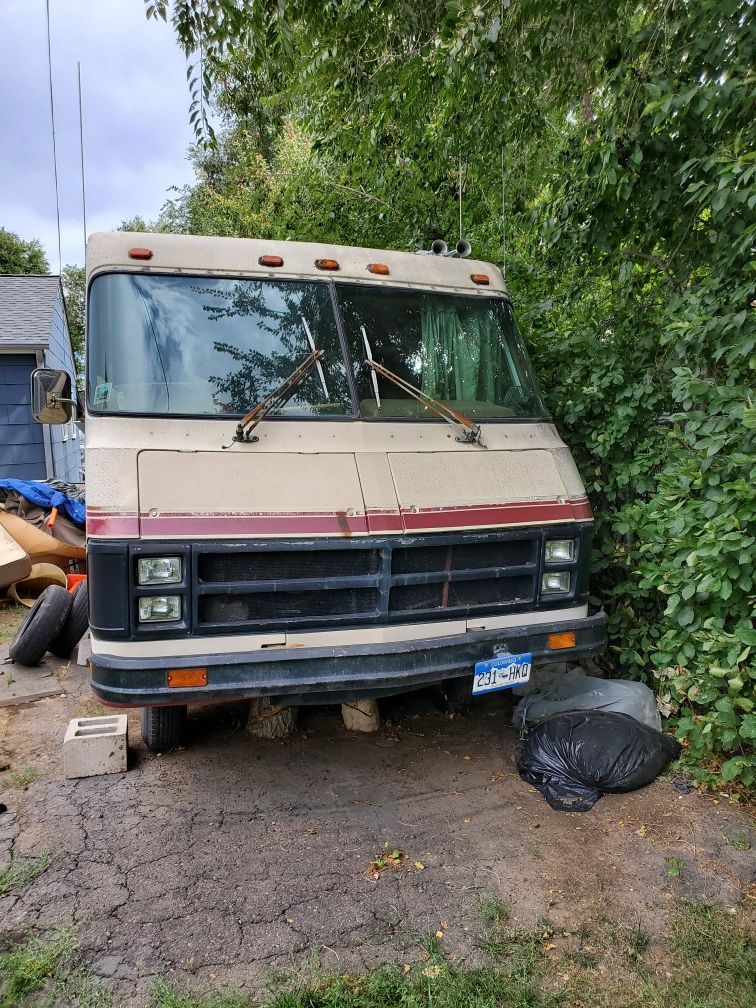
503	672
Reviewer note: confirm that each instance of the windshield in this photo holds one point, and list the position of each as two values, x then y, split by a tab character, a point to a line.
210	346
465	351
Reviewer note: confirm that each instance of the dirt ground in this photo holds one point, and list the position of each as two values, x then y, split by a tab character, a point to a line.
236	856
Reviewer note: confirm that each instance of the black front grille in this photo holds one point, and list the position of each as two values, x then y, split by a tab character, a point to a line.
306	584
283	607
284	565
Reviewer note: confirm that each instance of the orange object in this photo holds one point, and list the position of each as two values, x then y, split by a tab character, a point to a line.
53	516
380	268
187	677
140	253
561	640
74	580
480	278
327	264
270	260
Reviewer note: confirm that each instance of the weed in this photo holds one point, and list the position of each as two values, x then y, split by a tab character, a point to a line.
740	842
495	911
49	965
22	871
21	778
169	996
674	866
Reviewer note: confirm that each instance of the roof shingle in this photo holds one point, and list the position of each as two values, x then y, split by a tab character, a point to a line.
26	310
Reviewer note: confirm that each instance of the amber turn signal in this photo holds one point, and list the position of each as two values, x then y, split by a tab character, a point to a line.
140	253
327	264
187	677
380	268
560	640
270	260
480	278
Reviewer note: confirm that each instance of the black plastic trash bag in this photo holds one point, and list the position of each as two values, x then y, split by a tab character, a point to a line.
576	757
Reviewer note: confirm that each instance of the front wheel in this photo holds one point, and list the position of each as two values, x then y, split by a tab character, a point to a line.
163	728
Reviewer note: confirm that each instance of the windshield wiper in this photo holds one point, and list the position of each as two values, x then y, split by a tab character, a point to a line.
470	430
275	399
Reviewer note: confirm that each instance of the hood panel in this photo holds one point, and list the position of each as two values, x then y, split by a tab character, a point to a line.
443	490
196	494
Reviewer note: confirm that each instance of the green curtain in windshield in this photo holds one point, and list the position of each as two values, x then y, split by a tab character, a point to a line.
461	352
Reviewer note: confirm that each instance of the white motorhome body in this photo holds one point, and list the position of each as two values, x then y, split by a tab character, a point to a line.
356	545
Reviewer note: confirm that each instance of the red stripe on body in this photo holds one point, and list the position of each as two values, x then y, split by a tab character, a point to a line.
375	521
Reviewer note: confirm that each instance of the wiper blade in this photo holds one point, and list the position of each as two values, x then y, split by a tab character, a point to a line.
470	430
275	399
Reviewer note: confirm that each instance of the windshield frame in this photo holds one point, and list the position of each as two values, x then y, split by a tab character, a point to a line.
332	284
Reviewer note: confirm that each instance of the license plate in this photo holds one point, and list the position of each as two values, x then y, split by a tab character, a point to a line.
503	672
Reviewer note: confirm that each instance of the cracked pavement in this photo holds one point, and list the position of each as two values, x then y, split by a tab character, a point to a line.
238	857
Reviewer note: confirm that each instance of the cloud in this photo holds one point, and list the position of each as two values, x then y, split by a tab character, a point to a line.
136	129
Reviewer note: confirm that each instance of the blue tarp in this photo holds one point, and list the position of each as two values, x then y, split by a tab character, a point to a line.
47	497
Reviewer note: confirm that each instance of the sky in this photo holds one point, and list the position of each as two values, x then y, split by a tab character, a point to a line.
136	120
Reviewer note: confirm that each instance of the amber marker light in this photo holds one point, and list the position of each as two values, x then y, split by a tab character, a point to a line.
270	260
380	268
327	264
480	278
140	253
555	641
178	677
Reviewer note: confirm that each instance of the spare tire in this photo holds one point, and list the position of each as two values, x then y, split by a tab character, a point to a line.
75	626
42	625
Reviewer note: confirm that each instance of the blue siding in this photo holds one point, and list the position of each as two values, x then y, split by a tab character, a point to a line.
22	452
65	439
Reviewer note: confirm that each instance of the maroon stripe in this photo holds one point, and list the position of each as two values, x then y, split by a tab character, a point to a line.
183	524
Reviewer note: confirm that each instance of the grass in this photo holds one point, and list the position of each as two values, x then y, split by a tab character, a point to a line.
20	778
11	618
22	871
41	972
709	961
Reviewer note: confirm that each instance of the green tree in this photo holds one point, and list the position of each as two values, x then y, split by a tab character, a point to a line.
622	137
74	291
19	256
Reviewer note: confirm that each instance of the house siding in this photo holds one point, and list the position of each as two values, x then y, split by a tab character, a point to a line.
66	452
33	328
22	450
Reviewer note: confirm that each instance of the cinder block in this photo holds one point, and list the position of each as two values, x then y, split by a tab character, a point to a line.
95	745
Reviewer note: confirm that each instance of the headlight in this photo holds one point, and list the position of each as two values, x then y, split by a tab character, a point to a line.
560	549
158	570
555	581
159	608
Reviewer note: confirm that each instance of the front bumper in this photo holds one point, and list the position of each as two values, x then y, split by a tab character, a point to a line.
322	675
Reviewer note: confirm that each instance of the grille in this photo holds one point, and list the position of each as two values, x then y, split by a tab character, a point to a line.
294	584
218	568
464	594
281	607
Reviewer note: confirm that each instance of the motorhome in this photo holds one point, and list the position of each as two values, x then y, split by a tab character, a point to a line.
317	474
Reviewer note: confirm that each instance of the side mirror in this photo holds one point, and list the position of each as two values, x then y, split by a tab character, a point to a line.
51	401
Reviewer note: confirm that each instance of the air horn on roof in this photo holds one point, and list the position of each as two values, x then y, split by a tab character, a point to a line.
440	248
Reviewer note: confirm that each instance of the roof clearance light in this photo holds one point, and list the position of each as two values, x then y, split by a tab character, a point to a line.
270	260
327	264
140	253
380	268
480	278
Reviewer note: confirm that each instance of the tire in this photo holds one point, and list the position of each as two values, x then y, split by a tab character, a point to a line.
75	626
41	627
163	728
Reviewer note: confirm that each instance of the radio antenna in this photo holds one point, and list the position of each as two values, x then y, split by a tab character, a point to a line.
460	198
503	223
81	154
52	121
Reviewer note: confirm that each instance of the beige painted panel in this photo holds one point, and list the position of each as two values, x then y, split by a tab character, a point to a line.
527	619
376	479
231	483
443	479
375	635
187	647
